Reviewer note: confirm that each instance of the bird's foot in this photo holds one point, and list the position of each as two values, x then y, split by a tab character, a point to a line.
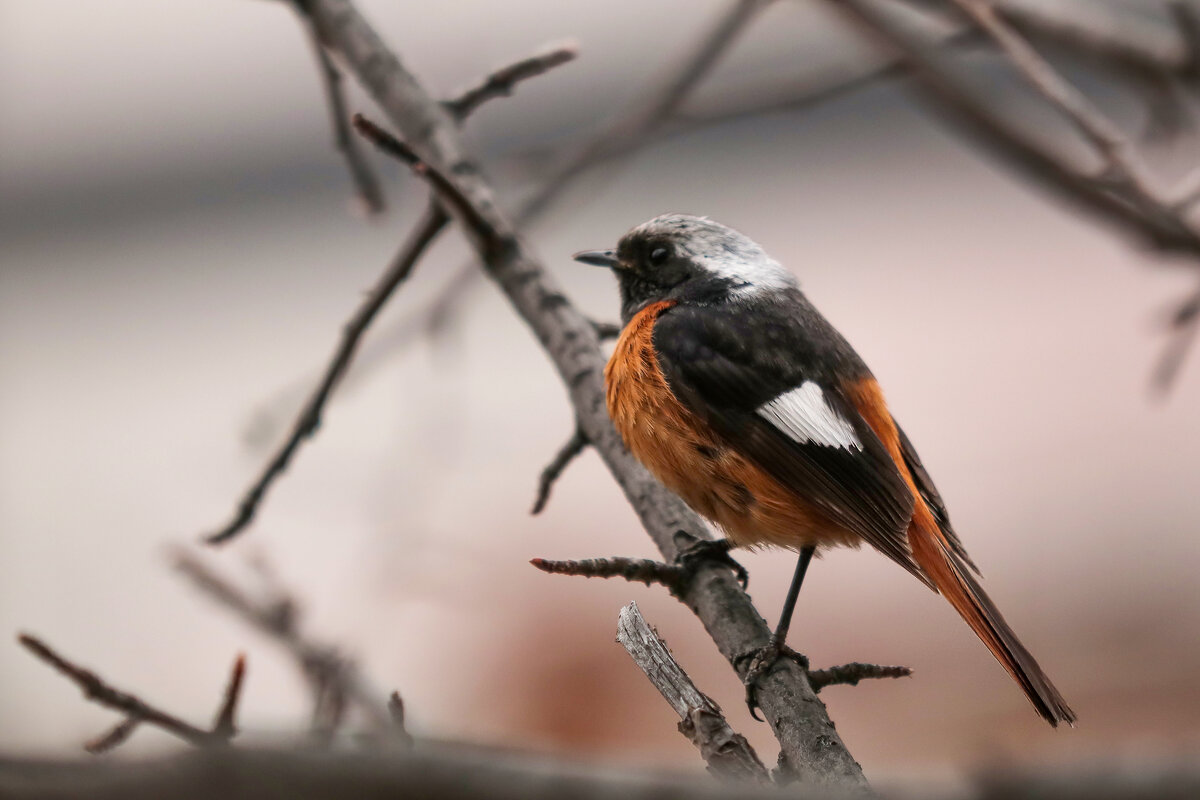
762	661
695	551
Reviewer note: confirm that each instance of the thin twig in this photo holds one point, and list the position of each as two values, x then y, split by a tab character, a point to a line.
309	420
1183	329
850	674
1120	194
116	736
502	82
554	470
396	710
226	722
366	184
639	570
727	753
334	678
98	691
441	183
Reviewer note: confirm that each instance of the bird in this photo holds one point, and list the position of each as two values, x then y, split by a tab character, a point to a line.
740	397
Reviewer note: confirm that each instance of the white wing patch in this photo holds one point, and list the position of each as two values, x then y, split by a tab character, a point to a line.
806	417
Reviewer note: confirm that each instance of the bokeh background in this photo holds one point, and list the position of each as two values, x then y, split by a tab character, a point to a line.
178	249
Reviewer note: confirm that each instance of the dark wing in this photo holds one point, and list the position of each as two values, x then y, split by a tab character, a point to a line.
929	494
734	367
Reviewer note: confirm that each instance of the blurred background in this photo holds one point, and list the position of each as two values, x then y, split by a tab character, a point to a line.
178	250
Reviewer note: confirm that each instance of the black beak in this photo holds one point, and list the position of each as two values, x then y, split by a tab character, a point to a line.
597	258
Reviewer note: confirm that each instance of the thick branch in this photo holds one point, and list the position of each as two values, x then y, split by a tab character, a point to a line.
809	742
726	751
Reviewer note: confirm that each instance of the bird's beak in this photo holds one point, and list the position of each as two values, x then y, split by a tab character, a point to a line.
597	258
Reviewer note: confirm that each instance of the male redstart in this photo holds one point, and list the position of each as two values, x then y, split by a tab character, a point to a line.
741	398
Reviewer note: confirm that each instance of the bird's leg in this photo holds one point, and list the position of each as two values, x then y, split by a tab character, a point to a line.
764	658
697	550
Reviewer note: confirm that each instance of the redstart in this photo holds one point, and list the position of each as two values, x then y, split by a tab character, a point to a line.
741	398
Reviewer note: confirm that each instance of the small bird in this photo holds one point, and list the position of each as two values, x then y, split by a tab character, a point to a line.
730	387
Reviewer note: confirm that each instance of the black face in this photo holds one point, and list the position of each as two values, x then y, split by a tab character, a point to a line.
652	268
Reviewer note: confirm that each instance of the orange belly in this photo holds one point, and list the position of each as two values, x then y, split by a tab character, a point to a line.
750	506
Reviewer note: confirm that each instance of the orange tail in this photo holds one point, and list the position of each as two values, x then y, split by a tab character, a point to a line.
954	580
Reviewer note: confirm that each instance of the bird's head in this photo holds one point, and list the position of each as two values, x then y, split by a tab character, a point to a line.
689	260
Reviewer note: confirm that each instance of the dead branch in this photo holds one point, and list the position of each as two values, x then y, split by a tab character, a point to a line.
309	419
1118	194
850	674
137	710
396	710
1097	32
554	470
798	719
726	752
502	82
366	184
335	679
635	570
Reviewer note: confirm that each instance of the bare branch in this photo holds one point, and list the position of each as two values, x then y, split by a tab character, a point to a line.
809	743
95	689
334	678
1183	328
1122	164
502	82
851	674
638	570
1124	39
366	184
458	203
226	722
396	710
554	470
726	752
309	419
116	736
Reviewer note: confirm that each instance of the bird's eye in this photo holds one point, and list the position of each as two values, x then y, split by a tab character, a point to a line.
658	256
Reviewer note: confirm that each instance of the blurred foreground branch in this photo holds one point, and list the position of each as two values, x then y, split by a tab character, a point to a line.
474	774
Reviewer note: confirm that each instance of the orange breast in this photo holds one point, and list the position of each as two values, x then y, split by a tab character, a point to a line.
692	461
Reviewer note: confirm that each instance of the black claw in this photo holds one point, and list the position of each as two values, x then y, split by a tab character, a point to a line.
717	551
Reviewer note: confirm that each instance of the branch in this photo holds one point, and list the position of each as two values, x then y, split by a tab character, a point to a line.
334	678
635	570
1119	194
137	710
554	470
396	711
502	82
726	752
809	742
309	419
365	182
851	674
